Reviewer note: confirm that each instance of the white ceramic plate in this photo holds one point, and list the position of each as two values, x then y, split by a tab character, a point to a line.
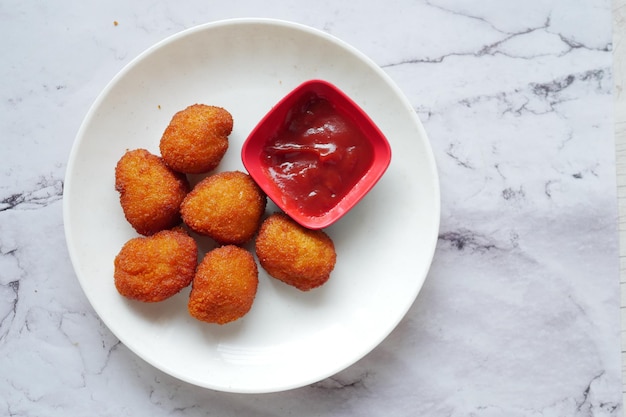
384	246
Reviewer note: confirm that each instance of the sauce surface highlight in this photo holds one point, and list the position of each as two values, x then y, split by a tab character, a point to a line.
316	156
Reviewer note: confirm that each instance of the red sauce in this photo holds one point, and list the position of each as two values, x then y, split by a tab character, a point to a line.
317	156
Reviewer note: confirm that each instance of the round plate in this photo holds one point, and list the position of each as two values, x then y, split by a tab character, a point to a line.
384	245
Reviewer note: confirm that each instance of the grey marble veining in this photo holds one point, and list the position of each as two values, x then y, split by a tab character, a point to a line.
519	315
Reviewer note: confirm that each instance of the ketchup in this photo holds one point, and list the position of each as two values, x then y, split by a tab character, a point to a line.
317	156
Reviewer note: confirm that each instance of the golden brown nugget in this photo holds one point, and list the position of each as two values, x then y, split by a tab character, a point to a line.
224	286
196	139
226	207
156	267
298	256
150	192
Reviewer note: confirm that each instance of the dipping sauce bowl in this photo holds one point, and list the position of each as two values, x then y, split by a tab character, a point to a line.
316	154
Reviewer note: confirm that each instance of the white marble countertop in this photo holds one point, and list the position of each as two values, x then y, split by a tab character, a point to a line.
619	75
519	315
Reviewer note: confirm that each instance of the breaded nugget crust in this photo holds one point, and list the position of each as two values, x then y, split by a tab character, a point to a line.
226	207
156	267
196	139
224	286
150	192
300	257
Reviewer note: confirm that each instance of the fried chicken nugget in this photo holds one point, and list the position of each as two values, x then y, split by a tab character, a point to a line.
298	256
156	267
196	139
227	207
150	192
224	286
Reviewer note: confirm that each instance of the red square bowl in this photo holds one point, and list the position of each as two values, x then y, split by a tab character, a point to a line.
316	154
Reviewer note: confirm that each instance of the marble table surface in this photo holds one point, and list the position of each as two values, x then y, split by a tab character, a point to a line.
519	314
619	99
